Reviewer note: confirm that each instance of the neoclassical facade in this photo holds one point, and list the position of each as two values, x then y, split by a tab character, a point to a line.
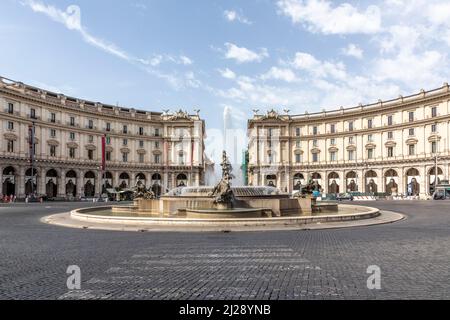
388	147
164	150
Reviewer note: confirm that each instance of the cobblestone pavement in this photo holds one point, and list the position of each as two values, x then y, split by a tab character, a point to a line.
413	254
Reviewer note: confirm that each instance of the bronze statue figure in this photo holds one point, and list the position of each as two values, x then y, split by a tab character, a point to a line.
141	192
392	187
352	187
222	192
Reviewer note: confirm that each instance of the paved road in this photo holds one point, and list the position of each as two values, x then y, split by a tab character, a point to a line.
414	257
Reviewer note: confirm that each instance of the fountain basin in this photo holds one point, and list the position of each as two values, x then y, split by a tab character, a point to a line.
237	213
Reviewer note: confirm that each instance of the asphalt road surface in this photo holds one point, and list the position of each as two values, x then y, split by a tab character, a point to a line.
413	256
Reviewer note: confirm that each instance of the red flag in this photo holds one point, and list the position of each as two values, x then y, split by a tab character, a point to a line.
103	152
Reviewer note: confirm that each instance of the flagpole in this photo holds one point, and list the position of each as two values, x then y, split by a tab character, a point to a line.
103	166
32	132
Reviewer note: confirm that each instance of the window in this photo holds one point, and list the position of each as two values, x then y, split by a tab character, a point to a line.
10	108
411	132
270	132
108	140
124	157
411	116
297	144
156	132
315	131
369	153
370	123
412	149
350	140
350	126
91	124
390	152
390	121
108	126
52	133
390	135
91	154
156	158
72	121
72	153
141	131
156	144
72	135
141	158
351	155
10	146
141	144
33	113
91	139
297	132
333	141
333	128
125	142
433	147
315	157
333	156
125	129
314	143
434	112
298	158
10	125
52	151
370	138
433	128
52	117
108	155
181	158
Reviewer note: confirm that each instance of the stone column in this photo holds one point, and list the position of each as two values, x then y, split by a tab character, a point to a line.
132	179
1	181
98	183
361	180
20	183
41	181
80	184
401	181
115	182
62	184
423	182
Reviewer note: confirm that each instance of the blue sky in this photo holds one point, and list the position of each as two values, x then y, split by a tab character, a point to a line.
227	56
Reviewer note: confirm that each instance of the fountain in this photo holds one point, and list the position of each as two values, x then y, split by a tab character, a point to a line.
220	201
219	207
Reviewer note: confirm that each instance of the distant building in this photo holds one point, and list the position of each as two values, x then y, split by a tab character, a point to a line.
387	147
166	149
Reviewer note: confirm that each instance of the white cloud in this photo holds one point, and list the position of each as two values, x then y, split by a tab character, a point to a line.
352	50
71	19
321	69
283	74
423	69
321	16
185	60
233	16
227	73
242	55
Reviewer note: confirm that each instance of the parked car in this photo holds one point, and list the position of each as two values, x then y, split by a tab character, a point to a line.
344	196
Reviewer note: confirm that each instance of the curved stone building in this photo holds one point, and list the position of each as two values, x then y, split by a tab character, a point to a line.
164	150
388	147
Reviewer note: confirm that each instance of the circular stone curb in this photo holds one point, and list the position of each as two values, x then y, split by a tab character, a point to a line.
78	219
